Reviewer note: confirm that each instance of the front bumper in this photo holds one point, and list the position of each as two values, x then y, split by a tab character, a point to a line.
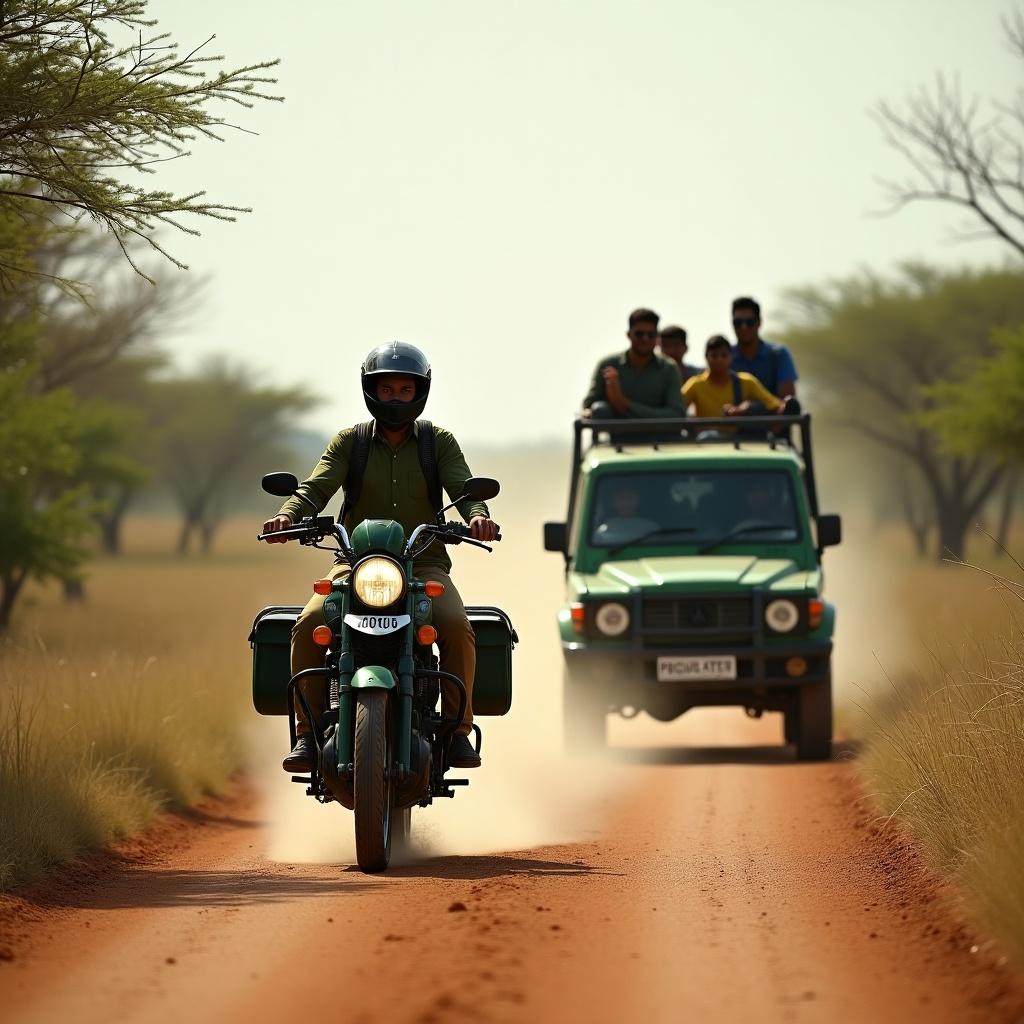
756	666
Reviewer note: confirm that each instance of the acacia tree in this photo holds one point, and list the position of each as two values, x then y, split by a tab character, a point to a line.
219	430
875	349
92	97
963	152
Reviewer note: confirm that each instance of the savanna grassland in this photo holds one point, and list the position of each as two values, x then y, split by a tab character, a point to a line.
134	700
944	735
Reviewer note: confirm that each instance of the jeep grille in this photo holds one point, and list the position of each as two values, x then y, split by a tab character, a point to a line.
692	615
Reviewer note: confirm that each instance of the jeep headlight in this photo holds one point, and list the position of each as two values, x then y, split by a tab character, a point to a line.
612	619
378	582
782	615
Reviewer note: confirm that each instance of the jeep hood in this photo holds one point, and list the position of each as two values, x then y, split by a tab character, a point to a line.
696	573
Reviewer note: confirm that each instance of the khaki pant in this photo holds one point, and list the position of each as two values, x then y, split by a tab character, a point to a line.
455	638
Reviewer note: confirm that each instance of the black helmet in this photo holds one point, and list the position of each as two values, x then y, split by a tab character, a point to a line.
396	357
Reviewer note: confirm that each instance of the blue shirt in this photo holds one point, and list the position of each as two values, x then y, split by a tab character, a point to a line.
772	365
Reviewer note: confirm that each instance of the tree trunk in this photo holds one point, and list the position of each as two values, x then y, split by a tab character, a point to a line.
1002	538
206	533
112	520
954	520
188	526
916	520
10	587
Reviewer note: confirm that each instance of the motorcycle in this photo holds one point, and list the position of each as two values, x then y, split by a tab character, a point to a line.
382	744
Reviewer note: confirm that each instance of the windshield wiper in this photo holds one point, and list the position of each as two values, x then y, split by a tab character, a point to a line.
651	533
738	531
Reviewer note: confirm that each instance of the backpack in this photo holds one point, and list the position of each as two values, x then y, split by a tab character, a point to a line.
426	444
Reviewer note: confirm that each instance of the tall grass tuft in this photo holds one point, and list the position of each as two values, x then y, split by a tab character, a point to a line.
132	702
944	752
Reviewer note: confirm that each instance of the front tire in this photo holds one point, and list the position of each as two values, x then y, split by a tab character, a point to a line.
814	729
372	786
584	712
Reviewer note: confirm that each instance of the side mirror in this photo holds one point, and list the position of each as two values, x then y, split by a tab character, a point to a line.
556	537
479	488
830	531
284	485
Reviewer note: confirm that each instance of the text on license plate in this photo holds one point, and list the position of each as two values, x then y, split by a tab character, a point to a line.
700	667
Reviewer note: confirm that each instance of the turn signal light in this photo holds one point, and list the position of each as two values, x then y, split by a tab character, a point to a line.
322	587
815	611
426	635
579	618
323	635
433	589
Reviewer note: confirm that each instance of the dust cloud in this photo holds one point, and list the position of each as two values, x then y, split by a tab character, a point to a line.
527	794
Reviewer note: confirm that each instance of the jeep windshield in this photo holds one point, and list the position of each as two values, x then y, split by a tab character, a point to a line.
696	508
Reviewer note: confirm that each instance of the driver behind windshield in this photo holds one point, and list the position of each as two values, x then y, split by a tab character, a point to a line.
621	523
396	383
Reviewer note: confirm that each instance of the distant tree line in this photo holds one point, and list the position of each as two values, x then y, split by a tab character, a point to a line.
94	412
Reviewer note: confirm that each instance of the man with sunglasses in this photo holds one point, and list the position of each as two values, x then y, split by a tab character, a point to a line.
637	383
771	364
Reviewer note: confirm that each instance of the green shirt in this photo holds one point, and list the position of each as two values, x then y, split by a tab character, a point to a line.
652	390
393	486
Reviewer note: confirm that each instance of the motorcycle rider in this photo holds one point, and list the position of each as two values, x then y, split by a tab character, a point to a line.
396	384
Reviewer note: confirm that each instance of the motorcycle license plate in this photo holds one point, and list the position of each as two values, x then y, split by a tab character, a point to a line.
377	625
701	667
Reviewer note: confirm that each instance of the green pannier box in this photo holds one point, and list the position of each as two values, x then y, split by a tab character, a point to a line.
271	659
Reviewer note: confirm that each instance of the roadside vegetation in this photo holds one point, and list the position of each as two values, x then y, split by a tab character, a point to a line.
136	701
944	740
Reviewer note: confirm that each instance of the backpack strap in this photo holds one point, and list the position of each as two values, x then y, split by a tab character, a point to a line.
426	441
353	485
737	388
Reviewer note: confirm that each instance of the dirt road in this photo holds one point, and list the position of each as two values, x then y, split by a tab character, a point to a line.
720	884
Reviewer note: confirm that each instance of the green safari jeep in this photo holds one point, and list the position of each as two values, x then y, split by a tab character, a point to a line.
693	576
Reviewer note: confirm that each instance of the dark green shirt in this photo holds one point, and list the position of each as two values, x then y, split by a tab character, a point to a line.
393	486
653	391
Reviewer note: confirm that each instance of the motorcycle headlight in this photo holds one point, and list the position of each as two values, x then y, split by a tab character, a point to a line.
782	616
378	582
612	619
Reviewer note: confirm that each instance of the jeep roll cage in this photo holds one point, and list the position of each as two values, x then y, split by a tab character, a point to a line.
690	432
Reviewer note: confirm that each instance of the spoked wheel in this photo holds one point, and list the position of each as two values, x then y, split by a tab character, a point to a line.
373	789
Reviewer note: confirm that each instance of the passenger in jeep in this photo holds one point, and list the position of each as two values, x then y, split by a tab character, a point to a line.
721	391
637	383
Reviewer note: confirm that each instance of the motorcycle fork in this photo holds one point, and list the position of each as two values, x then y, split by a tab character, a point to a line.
406	676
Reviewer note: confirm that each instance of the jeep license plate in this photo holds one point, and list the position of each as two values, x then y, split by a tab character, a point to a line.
700	667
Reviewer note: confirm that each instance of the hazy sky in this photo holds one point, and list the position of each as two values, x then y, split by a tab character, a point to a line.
500	183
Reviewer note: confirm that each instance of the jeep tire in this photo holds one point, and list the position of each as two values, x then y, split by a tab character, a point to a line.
814	722
584	712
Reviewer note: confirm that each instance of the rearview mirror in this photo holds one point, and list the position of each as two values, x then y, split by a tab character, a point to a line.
555	536
282	484
479	488
830	531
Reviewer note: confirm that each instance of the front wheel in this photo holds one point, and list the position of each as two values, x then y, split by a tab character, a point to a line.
814	727
584	712
372	787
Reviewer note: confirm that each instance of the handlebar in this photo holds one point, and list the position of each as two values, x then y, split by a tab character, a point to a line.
458	531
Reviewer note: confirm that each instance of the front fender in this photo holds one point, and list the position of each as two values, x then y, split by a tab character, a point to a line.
373	677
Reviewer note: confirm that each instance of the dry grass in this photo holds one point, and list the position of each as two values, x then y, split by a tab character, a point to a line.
112	710
945	741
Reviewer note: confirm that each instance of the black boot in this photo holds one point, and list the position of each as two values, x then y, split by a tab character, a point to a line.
303	755
461	753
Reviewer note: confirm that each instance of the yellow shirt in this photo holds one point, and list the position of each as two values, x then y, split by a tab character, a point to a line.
709	398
